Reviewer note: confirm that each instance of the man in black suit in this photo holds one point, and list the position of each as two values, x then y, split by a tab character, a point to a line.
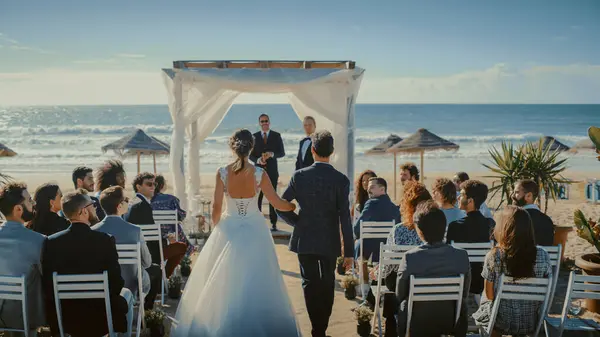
80	250
83	177
140	213
268	147
525	194
305	158
322	193
432	260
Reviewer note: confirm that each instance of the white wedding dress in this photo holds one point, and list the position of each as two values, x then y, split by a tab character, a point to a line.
236	287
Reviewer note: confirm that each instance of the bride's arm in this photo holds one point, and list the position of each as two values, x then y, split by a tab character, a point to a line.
217	200
274	199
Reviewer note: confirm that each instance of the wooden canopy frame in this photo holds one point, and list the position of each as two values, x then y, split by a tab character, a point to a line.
262	64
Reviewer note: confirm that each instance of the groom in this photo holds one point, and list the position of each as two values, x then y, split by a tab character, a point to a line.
322	193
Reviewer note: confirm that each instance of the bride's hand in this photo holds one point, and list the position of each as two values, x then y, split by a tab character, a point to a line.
292	206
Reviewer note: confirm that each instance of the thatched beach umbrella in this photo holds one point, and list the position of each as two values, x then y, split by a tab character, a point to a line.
382	148
138	143
422	141
6	152
554	145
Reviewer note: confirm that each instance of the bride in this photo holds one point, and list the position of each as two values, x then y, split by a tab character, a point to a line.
236	287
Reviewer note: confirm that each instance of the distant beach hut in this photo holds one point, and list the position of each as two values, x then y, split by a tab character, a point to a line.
382	148
420	142
138	143
5	151
554	145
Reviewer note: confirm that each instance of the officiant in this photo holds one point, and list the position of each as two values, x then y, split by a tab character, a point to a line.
268	147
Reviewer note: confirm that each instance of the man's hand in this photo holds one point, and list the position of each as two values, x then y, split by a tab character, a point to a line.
348	262
171	237
260	161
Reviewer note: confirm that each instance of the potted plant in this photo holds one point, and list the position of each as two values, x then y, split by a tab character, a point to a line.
186	266
154	322
349	283
341	269
363	316
589	263
174	287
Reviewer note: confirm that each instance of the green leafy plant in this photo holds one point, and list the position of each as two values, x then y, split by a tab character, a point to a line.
154	318
529	161
587	229
186	266
363	314
349	281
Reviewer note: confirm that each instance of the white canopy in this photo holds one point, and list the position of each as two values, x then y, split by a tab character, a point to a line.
199	98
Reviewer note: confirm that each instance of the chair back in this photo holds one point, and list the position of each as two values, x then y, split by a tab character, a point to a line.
14	288
80	287
529	289
476	251
167	218
435	289
131	254
555	254
152	233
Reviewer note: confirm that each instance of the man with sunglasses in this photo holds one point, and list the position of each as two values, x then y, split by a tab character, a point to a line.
20	254
268	147
80	250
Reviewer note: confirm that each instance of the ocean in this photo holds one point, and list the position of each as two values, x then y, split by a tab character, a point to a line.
56	139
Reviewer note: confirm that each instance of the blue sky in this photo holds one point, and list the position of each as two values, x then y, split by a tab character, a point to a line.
414	51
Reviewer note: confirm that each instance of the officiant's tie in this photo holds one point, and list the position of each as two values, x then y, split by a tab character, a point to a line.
265	138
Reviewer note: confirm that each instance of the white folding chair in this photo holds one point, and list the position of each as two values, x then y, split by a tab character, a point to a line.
389	255
79	287
130	254
435	289
580	287
167	218
477	252
555	253
152	233
13	288
529	289
372	230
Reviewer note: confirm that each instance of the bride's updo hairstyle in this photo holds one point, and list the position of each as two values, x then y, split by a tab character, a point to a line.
241	143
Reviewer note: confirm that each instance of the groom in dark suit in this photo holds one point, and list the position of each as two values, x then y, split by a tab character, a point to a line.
322	193
305	157
268	147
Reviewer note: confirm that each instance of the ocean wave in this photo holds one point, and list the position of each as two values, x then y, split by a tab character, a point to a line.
83	130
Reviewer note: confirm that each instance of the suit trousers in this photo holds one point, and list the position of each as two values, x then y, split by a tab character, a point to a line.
318	282
155	281
272	213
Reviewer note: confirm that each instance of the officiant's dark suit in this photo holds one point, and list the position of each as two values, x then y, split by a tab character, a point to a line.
266	141
322	194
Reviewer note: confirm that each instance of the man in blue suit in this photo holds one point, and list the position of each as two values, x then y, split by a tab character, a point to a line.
378	208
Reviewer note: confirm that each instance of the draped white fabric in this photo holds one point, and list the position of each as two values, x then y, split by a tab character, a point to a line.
199	99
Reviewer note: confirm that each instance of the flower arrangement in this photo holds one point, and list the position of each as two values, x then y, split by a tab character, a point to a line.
363	316
349	283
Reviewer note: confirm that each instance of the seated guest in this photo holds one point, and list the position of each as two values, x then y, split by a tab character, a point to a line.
432	259
361	195
379	207
114	203
408	172
80	250
20	254
162	201
525	195
474	227
47	205
459	179
402	234
140	213
110	174
444	194
515	255
83	177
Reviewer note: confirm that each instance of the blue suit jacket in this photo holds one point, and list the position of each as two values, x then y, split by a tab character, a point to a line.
380	208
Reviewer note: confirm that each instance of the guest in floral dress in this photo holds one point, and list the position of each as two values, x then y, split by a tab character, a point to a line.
515	255
165	202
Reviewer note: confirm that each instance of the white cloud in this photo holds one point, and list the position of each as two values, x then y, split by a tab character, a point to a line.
15	45
96	61
131	56
112	60
576	83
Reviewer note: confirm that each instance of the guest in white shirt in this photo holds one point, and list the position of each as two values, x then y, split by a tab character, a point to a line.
460	178
305	158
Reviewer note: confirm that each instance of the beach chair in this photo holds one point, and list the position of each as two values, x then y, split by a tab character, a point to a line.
372	230
477	252
130	254
435	289
389	255
580	287
167	218
14	288
529	289
152	233
555	257
79	287
592	191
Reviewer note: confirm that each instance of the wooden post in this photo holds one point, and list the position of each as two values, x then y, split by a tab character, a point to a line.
138	159
154	159
422	169
395	174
